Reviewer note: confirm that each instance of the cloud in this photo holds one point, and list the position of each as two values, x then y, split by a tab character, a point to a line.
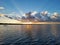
53	17
38	16
1	8
33	13
44	12
46	16
55	14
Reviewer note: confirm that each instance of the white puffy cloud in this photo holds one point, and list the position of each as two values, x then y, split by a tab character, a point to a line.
1	8
55	14
53	17
33	13
44	12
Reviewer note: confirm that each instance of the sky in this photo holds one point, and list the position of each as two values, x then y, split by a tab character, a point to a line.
24	6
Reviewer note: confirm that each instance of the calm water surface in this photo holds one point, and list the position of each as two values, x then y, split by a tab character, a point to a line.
45	34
